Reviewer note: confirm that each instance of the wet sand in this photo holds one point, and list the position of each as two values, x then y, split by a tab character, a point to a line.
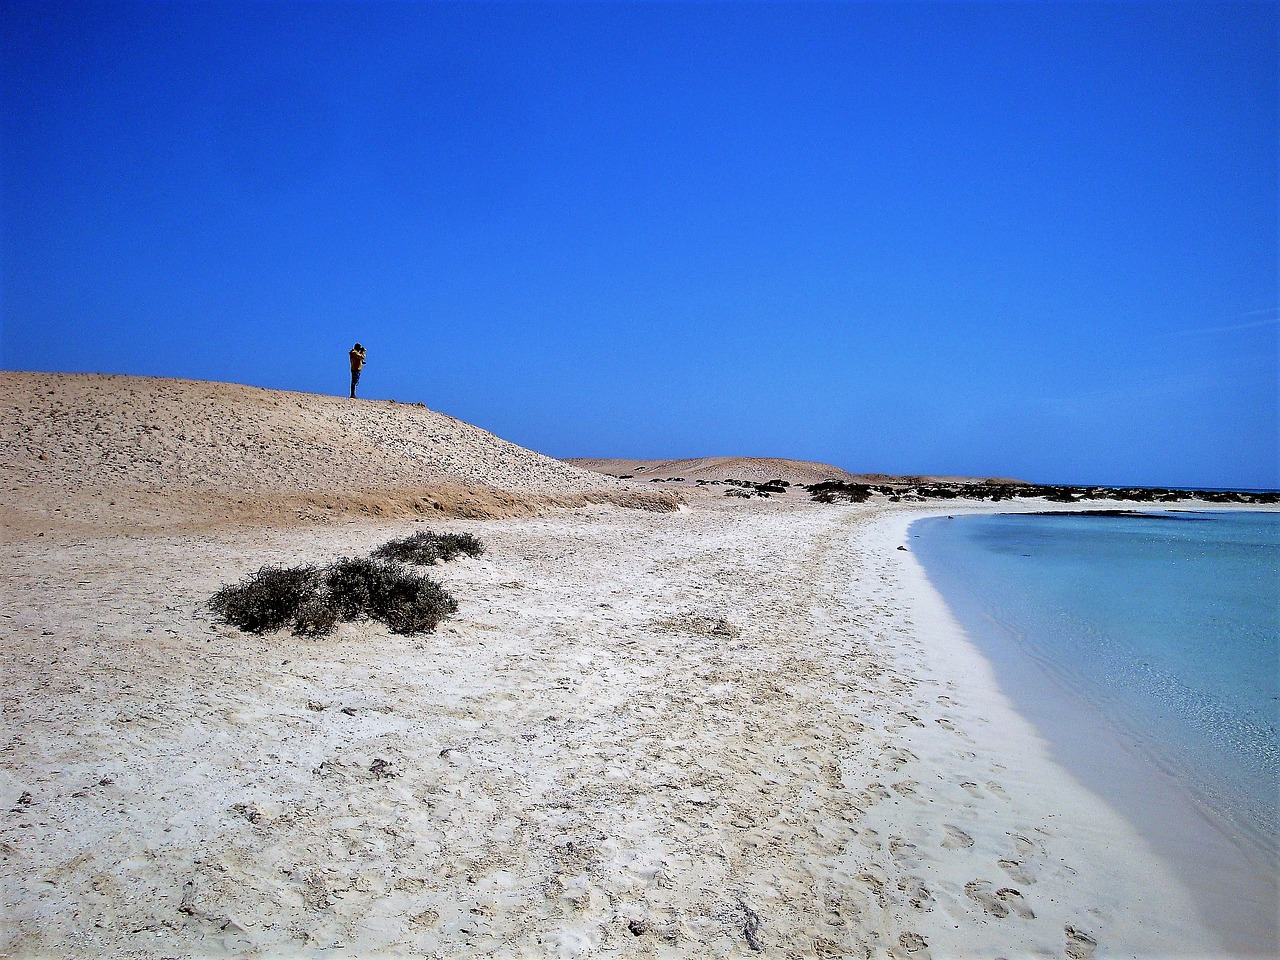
1231	872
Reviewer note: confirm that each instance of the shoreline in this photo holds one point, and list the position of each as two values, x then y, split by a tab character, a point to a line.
661	735
1233	886
1160	915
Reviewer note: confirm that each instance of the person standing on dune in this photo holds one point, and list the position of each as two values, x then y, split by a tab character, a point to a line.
357	364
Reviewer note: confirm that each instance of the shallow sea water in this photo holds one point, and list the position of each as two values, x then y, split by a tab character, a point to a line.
1158	632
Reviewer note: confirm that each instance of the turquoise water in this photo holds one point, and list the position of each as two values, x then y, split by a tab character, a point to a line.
1163	628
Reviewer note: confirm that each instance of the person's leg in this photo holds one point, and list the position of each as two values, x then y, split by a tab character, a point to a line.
355	378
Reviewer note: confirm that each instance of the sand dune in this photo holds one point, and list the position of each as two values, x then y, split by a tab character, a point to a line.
759	469
755	469
96	452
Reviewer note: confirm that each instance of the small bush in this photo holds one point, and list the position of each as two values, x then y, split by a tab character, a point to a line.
346	584
267	600
313	601
427	548
315	618
406	602
415	604
834	491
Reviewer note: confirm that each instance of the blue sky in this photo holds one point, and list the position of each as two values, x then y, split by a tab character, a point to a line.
1033	240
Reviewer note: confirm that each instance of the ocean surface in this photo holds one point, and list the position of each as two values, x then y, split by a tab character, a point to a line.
1146	649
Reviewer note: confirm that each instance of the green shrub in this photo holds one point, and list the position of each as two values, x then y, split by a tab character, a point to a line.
267	600
426	547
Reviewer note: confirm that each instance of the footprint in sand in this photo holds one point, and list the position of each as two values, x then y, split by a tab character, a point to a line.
1021	866
972	789
873	792
912	943
1080	946
996	788
956	839
893	758
998	903
903	850
1016	901
918	894
1018	871
875	878
1023	844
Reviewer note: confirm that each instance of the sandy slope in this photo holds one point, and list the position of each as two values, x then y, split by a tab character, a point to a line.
755	469
758	469
748	726
94	452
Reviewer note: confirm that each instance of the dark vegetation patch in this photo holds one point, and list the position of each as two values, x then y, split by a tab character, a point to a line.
315	617
752	488
834	491
313	600
831	491
407	602
1177	517
426	548
269	599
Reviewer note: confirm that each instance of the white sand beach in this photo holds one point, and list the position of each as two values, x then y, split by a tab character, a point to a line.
746	727
736	728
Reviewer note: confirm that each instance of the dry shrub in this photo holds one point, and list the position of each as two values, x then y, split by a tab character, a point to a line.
267	600
835	491
315	618
314	601
426	548
406	602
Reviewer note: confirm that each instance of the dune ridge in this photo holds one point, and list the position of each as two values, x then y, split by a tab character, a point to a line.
755	469
761	469
96	452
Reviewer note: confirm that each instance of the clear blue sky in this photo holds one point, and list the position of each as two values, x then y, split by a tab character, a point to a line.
1033	240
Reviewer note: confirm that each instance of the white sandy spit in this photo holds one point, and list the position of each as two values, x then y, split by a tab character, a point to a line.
746	728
